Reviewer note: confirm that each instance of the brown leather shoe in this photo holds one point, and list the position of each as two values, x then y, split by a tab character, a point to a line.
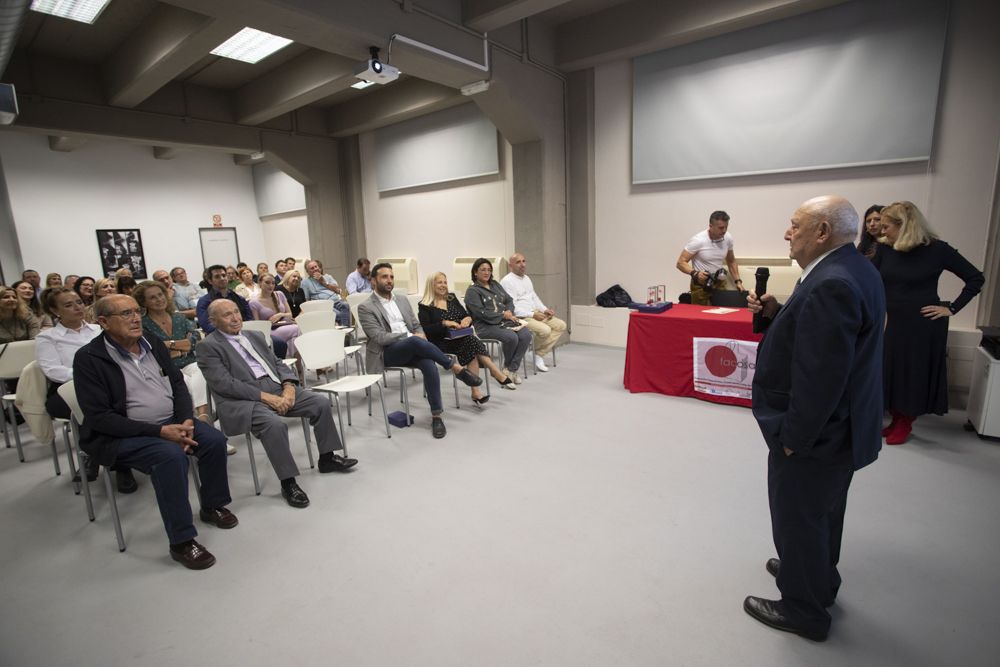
219	517
192	555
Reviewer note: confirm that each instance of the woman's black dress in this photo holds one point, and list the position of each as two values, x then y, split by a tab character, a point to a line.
466	348
915	374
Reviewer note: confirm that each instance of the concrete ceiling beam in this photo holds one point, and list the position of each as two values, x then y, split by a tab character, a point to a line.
65	144
488	15
396	102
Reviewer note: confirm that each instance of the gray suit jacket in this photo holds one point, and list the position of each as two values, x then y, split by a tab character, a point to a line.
229	377
375	323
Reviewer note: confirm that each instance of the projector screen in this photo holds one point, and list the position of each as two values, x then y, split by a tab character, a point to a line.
443	146
850	85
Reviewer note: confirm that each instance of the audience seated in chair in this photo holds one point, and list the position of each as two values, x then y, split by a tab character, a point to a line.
528	307
270	304
291	287
102	288
493	317
254	390
218	288
32	301
138	413
322	286
360	280
247	288
186	295
395	338
17	322
440	312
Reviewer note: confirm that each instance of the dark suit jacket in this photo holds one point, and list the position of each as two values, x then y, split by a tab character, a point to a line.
817	388
233	385
100	388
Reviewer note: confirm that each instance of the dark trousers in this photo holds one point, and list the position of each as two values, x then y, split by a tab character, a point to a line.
808	499
418	353
279	347
167	465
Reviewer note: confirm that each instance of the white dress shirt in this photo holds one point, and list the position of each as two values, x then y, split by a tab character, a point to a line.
522	291
56	347
396	322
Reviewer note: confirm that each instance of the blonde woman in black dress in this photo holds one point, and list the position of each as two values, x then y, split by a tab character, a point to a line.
439	311
911	259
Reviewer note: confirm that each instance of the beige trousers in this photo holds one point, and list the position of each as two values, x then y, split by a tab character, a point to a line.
546	333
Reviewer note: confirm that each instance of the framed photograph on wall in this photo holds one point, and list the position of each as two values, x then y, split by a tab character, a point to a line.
120	248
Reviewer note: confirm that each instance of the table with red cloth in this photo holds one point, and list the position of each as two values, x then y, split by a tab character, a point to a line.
659	356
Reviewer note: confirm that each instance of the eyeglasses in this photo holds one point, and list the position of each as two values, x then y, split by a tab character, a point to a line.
127	314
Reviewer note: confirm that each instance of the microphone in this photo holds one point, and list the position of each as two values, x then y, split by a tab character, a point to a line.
762	274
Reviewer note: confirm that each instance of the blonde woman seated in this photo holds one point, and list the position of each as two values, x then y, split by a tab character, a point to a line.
53	280
272	305
102	288
440	312
247	288
178	334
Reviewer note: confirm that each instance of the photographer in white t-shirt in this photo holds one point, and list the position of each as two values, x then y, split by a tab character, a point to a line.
706	253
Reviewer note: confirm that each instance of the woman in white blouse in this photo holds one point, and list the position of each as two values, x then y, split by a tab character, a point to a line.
247	288
56	347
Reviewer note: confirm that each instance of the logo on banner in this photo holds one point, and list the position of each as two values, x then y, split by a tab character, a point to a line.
724	367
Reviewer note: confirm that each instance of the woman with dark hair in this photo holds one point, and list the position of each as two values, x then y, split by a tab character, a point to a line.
126	285
272	305
84	287
911	260
17	322
26	292
872	230
492	311
440	312
248	288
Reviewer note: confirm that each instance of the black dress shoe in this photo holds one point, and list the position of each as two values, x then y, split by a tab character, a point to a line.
126	481
466	376
91	467
192	555
219	517
336	463
769	612
294	495
437	427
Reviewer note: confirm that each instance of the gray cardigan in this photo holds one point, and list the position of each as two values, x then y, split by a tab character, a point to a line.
486	306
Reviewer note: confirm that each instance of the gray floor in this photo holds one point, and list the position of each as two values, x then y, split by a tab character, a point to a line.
569	523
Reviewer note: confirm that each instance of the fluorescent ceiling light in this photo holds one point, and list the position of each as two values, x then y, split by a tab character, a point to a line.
85	11
361	85
250	46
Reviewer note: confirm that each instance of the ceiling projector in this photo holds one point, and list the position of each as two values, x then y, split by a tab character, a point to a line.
374	70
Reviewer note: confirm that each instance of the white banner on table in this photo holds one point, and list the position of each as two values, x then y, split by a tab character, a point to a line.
723	366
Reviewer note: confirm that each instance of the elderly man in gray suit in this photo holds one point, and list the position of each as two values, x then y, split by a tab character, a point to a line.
254	390
395	338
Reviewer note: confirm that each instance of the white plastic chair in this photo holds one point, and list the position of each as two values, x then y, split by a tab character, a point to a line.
325	349
263	326
14	357
315	307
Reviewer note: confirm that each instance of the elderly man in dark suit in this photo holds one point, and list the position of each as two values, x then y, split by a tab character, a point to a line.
254	390
817	397
395	338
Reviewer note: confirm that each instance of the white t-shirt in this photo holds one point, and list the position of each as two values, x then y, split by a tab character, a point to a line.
708	255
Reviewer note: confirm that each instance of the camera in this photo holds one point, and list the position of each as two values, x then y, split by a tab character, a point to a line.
717	277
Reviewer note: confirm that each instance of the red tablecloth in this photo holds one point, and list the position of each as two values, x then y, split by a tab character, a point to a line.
659	355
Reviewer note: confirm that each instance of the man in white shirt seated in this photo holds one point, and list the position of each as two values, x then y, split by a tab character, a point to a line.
360	280
395	338
539	318
186	295
705	254
321	286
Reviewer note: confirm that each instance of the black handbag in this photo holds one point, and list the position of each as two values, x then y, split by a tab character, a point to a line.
614	297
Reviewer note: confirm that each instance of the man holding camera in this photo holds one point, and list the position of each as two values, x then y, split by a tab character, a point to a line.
705	258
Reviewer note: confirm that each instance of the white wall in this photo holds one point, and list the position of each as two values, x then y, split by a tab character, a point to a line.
285	236
641	230
438	223
276	192
59	199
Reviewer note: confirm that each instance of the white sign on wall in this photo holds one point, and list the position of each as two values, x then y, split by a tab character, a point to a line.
723	366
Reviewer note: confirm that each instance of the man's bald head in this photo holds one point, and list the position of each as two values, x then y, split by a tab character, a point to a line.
225	316
838	212
517	264
820	225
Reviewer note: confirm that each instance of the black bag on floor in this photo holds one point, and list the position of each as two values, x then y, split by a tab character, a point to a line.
614	297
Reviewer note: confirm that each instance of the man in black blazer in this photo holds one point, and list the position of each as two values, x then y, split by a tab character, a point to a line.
817	397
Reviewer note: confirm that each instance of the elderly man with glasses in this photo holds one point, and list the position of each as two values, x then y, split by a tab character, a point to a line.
138	413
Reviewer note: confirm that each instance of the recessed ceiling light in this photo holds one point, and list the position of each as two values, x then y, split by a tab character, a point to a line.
250	46
84	11
361	85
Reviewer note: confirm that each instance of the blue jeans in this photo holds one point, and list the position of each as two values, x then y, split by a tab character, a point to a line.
418	353
167	465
